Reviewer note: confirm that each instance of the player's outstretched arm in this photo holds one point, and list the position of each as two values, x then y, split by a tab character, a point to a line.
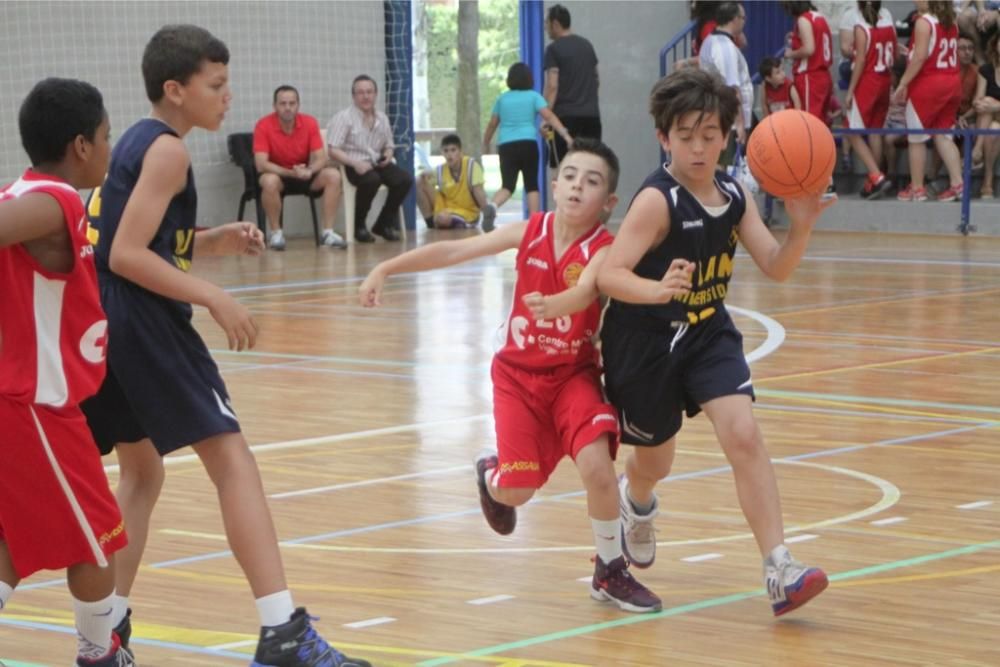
778	260
439	255
646	225
571	300
30	217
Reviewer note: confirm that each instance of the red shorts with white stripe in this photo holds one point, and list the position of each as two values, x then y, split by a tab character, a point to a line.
56	508
542	416
933	104
871	103
814	90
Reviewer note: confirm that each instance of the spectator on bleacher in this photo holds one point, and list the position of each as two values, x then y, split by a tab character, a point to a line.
360	138
811	51
778	93
987	107
720	54
290	158
514	114
867	99
571	81
969	73
452	196
978	20
932	89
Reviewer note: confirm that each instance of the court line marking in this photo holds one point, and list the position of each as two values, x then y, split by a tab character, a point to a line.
369	482
701	557
888	521
697	606
369	622
490	600
975	505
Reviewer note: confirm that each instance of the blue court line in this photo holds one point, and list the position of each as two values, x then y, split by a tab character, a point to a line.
697	606
186	648
895	402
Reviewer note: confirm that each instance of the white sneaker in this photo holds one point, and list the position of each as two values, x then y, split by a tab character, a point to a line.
277	240
789	583
638	531
332	239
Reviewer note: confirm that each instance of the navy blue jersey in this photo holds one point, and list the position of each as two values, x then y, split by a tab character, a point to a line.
698	236
174	240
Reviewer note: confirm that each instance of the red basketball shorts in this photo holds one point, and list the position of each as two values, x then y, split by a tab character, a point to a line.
56	508
814	90
871	103
544	415
933	104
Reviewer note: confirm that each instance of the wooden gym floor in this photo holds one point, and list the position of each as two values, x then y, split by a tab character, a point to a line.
877	368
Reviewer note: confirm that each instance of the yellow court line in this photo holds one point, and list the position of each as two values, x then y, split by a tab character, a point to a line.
917	577
925	297
881	364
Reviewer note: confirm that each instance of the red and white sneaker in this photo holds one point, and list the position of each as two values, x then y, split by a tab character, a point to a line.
612	581
912	194
953	193
790	584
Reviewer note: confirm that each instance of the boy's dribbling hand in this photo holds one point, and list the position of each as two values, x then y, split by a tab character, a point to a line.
535	301
370	292
235	320
239	238
677	280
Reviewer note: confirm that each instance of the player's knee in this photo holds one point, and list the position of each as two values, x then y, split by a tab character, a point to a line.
514	496
600	480
741	439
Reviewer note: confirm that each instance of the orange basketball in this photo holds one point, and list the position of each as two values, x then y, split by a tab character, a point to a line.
791	154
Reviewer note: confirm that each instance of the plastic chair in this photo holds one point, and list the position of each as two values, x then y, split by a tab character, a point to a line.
349	197
241	153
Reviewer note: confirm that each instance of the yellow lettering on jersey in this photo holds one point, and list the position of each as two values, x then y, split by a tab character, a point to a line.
725	265
182	244
93	235
708	273
182	263
94	203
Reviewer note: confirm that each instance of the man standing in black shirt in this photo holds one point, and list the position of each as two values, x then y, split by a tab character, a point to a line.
570	81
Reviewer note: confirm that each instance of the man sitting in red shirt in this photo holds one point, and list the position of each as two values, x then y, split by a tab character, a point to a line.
291	158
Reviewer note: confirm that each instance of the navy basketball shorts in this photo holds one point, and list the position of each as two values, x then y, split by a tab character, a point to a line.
653	377
162	383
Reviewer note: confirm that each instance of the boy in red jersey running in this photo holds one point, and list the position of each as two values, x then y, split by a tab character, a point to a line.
546	378
56	509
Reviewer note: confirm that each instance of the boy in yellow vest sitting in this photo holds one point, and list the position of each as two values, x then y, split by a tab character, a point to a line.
452	196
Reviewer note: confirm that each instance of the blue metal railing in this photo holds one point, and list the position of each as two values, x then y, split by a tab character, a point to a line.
682	40
968	135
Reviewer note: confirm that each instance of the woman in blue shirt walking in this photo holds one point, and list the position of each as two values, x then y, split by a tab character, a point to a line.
514	112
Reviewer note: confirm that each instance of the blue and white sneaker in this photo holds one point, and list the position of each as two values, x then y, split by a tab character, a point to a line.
297	644
789	583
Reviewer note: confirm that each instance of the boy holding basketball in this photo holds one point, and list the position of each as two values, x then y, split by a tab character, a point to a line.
56	509
668	349
546	387
163	391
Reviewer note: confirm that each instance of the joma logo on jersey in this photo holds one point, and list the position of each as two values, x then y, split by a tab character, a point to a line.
692	224
540	263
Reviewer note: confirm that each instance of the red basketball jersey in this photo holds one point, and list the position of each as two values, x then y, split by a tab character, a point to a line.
52	327
822	55
778	99
942	49
881	48
542	344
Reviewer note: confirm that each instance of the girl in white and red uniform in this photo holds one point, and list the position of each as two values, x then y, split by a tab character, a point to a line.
931	86
812	52
867	99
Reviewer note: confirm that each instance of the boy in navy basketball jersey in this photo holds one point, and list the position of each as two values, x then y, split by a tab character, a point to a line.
667	350
56	509
547	400
163	390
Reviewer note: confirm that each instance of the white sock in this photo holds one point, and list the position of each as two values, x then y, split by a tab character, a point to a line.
642	509
120	603
5	591
608	538
778	555
275	609
93	627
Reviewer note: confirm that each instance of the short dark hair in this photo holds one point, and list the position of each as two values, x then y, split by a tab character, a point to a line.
285	88
727	12
175	53
687	90
519	77
797	8
362	77
768	65
451	140
54	114
601	150
559	14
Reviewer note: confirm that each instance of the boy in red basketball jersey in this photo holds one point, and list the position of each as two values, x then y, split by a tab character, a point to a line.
56	509
932	88
779	93
867	99
546	378
668	342
812	52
